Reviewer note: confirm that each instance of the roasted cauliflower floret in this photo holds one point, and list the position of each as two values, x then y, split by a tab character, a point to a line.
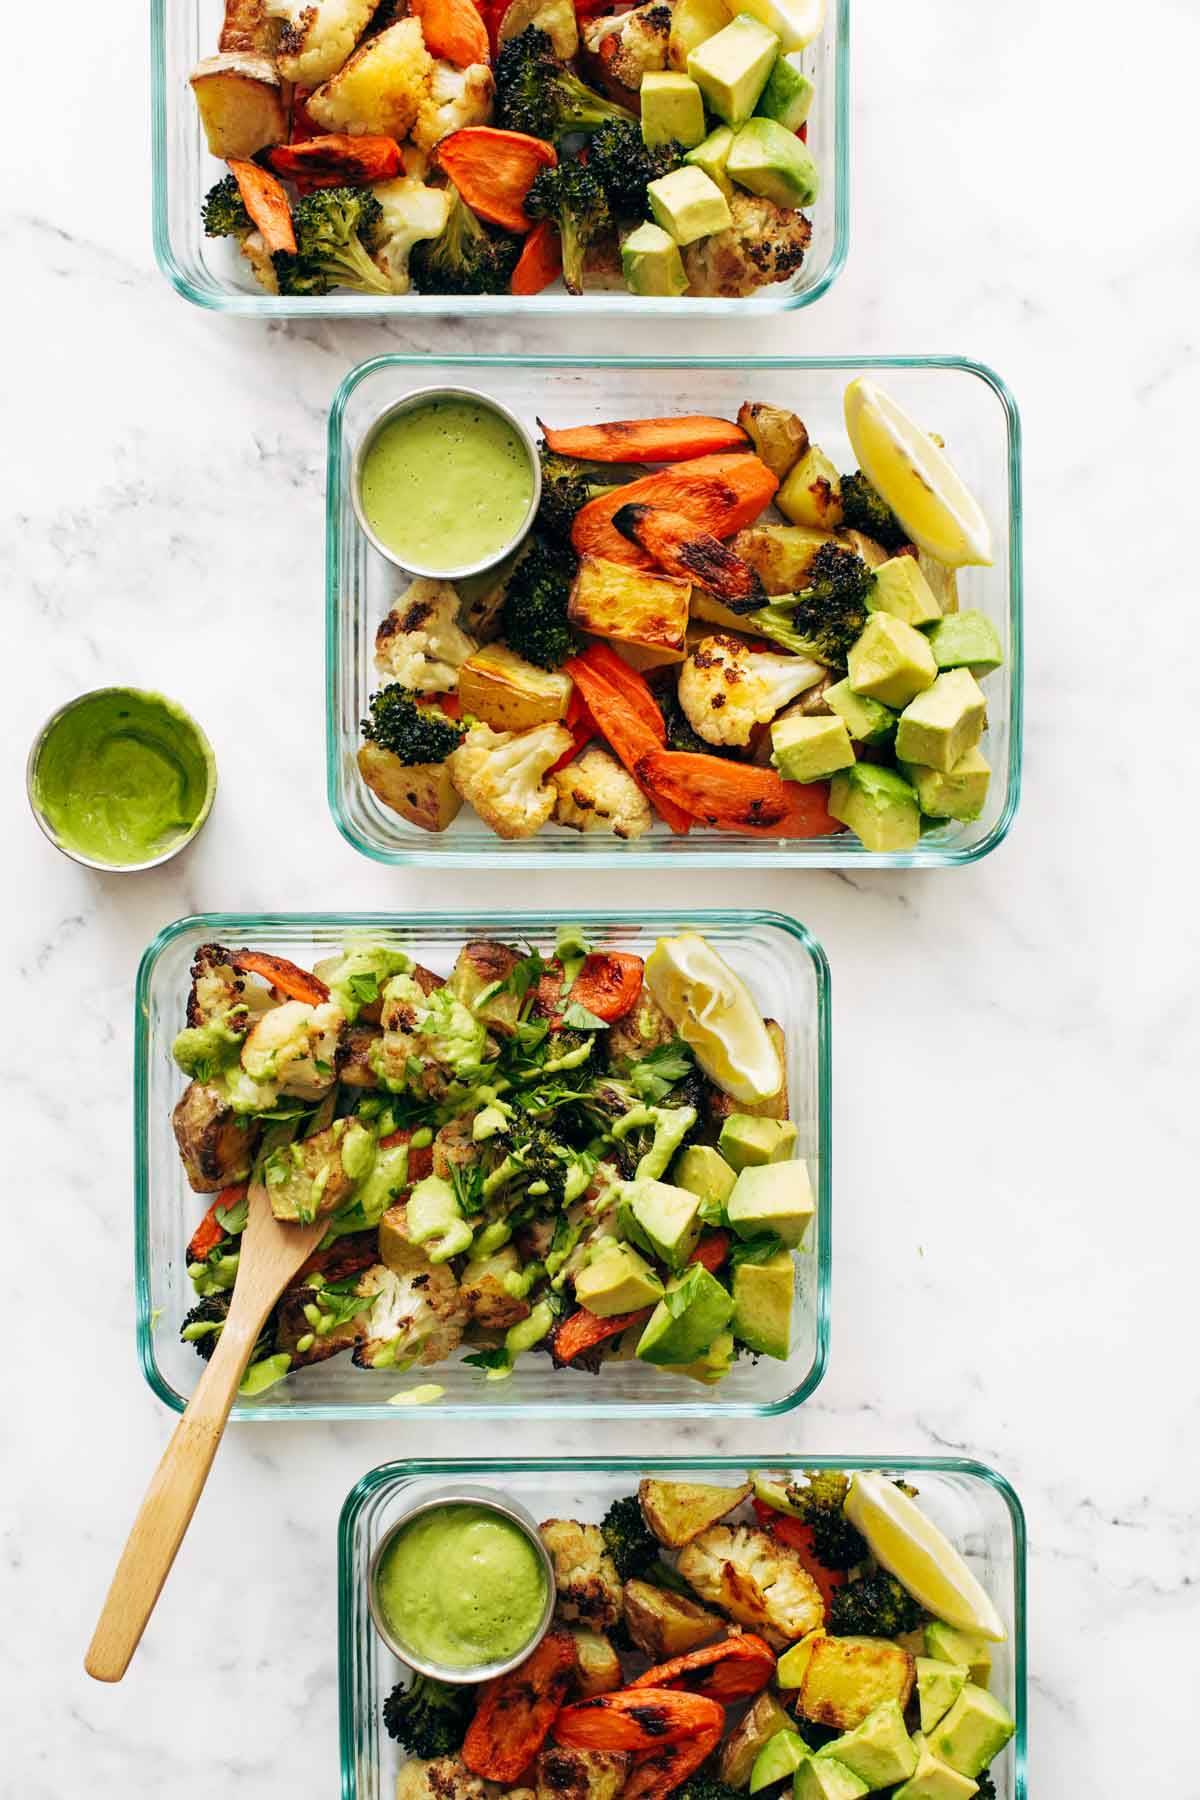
253	247
420	643
382	86
294	1049
563	1774
411	212
416	1316
755	1579
726	689
502	774
628	44
217	989
763	244
454	98
317	35
440	1778
426	1039
215	1146
596	794
589	1588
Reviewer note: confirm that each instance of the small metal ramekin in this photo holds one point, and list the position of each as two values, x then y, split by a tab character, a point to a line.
410	402
491	1501
91	862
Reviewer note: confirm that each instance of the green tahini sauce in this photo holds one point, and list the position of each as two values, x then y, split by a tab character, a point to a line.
122	776
446	485
461	1587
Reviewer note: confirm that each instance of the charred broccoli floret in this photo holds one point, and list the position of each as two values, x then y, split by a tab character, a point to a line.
203	1325
224	211
823	619
626	166
568	485
538	93
467	258
864	509
836	1544
533	618
571	194
628	1539
336	231
680	733
416	734
874	1605
707	1787
429	1718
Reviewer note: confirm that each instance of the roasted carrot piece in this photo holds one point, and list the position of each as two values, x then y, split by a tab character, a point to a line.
799	1538
637	1719
648	440
580	723
608	984
303	125
583	1330
540	261
737	796
348	1255
719	494
626	730
337	160
629	683
662	1771
288	977
515	1711
712	1250
420	1161
493	170
265	201
453	29
209	1231
680	550
732	1669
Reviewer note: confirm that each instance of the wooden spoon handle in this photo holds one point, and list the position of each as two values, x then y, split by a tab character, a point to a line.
169	1503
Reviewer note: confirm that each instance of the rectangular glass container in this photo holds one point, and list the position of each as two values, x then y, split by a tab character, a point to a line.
785	970
966	403
212	273
975	1507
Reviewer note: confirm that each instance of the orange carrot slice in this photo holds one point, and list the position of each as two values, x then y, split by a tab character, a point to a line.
337	160
265	201
732	1669
660	1772
540	261
453	29
712	1250
636	1719
621	722
583	1330
288	977
648	440
493	170
679	549
608	984
516	1711
210	1231
719	494
737	796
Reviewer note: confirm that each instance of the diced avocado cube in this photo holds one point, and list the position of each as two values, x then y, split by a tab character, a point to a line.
763	1298
618	1280
713	1365
878	805
731	69
809	748
879	1750
788	94
938	1684
690	1315
688	204
772	1197
935	1780
779	1757
867	721
889	661
966	640
957	793
941	724
824	1779
747	1140
948	1644
672	109
792	1666
902	590
973	1732
794	22
769	160
651	263
661	1219
712	155
703	1171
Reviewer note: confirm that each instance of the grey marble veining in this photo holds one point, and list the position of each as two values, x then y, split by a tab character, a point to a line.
1016	1236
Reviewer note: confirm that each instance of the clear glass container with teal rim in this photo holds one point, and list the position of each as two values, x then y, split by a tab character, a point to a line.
975	1507
212	273
784	968
964	402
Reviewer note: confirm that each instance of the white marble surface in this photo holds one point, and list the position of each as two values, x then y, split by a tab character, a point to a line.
1015	1045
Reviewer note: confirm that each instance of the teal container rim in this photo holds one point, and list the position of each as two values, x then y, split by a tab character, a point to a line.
349	306
215	924
410	1469
515	856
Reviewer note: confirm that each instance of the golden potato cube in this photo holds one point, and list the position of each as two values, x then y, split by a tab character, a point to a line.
597	1667
510	694
873	554
848	1677
779	436
422	793
240	100
754	1729
812	493
693	22
611	600
663	1624
678	1511
779	554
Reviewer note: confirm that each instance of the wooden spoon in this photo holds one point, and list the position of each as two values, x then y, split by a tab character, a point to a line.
270	1253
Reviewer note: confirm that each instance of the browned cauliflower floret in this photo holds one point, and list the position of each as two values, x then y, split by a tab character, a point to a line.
596	794
589	1588
502	774
726	688
763	244
629	44
420	643
382	86
440	1778
417	1316
294	1049
317	35
755	1579
455	98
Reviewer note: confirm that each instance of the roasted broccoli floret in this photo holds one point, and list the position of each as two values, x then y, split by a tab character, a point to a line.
571	194
416	734
836	1544
224	212
467	258
986	1789
203	1326
626	165
628	1539
336	231
680	734
864	509
538	93
429	1718
823	619
874	1605
568	485
707	1787
533	619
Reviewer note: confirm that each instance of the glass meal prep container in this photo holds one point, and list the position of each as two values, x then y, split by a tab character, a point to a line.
786	971
965	402
975	1507
212	273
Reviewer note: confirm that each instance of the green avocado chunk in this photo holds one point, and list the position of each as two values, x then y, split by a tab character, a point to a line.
821	1778
712	155
763	1298
688	205
940	725
747	1140
935	1780
731	68
966	640
878	804
890	661
769	160
651	263
691	1314
902	590
973	1732
779	1757
938	1684
788	94
957	793
703	1171
672	109
662	1220
772	1197
810	748
947	1644
618	1280
868	721
713	1365
879	1750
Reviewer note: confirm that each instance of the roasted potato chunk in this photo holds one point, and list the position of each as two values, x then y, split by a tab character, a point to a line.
614	601
747	1738
663	1624
678	1511
812	493
781	554
779	437
719	1105
848	1677
354	1056
240	100
872	553
510	694
482	963
563	1774
487	1299
598	1668
422	793
217	1147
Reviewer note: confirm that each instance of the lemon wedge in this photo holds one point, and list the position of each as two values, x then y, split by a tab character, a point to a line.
916	478
794	22
921	1557
712	1010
